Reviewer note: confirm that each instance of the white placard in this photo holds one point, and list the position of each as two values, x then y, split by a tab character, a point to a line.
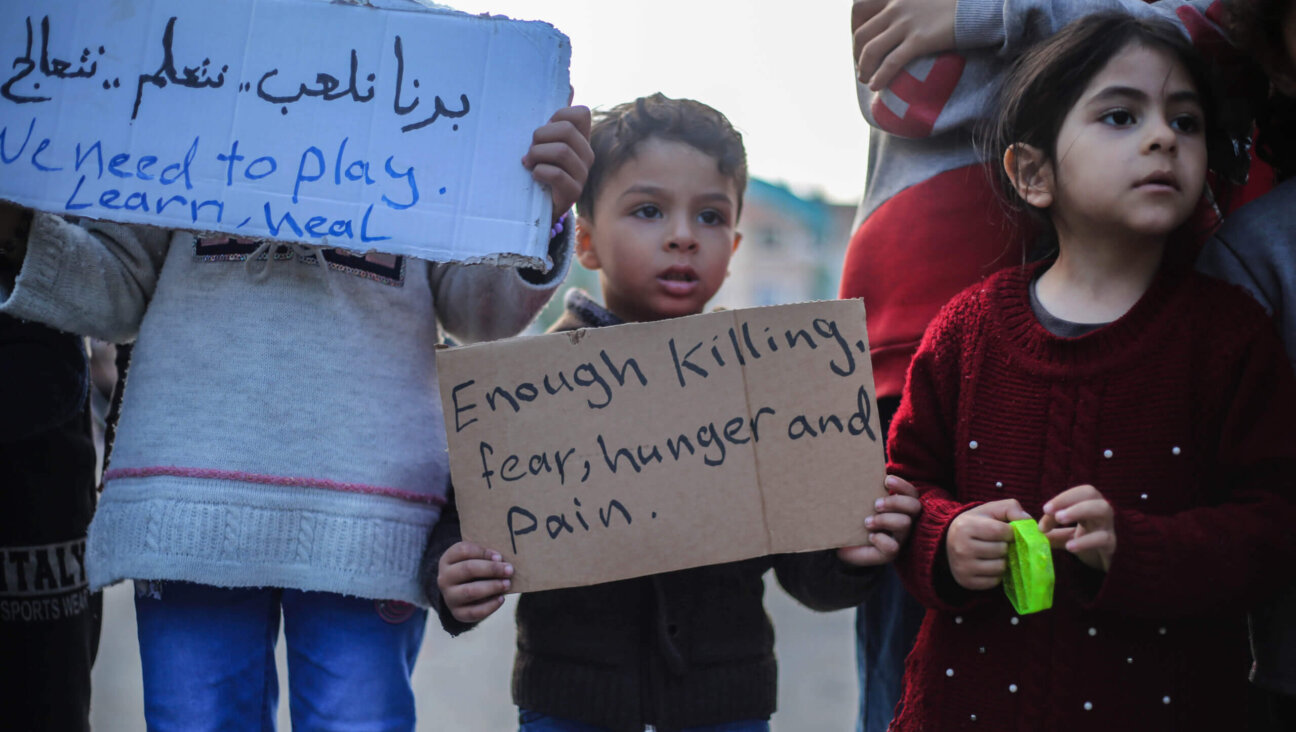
332	124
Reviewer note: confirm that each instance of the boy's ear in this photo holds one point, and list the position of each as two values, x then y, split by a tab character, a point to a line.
585	253
1031	173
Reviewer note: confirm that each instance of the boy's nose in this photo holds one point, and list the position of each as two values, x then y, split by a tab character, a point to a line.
681	238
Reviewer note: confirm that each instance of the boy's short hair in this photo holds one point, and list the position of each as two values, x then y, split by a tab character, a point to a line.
618	132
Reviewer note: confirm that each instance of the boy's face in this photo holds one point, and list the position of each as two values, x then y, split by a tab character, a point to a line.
662	232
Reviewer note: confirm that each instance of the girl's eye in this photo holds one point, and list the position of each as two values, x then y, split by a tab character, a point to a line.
1118	118
647	211
1187	123
711	217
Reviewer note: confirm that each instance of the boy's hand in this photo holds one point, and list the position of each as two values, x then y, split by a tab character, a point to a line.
888	34
976	544
888	528
472	581
560	156
1080	520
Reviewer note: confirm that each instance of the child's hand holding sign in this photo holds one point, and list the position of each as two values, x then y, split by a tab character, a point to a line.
888	528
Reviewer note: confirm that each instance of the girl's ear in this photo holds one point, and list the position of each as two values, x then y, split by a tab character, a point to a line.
585	253
1031	173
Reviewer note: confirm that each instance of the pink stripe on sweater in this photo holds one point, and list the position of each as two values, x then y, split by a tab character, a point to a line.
242	477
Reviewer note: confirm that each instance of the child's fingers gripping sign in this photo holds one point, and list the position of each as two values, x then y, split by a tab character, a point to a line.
1080	520
888	528
976	544
560	156
472	581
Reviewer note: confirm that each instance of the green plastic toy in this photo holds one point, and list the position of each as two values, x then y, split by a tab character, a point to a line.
1028	581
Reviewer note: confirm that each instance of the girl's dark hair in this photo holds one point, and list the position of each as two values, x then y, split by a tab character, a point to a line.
1257	26
1044	84
618	132
1276	134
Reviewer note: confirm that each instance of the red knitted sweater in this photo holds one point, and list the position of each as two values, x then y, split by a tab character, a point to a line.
1182	414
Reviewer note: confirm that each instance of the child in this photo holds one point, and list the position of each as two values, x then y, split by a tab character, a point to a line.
280	448
929	224
690	649
1256	248
1140	411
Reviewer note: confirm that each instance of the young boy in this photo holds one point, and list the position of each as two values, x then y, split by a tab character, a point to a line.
694	648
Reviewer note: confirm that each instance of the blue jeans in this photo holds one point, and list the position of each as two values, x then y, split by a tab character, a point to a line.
885	628
886	625
536	722
208	655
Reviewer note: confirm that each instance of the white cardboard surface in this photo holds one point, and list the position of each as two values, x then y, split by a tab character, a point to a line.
399	131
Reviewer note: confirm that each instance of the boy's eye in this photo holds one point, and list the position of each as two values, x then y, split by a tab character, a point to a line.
1118	118
647	211
711	217
1188	123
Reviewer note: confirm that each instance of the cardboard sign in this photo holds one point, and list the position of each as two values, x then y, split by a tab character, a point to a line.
299	120
609	453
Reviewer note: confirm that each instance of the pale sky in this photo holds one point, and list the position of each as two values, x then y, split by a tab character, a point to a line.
780	72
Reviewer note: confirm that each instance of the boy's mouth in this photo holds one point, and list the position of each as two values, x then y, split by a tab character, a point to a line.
678	280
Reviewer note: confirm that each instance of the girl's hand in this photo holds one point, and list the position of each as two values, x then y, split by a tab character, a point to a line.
472	581
976	544
1080	520
560	156
888	528
888	34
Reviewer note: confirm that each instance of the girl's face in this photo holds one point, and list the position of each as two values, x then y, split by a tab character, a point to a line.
1130	158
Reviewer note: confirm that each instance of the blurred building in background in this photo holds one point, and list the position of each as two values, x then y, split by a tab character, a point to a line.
792	251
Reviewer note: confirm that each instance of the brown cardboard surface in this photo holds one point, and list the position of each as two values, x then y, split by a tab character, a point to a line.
609	453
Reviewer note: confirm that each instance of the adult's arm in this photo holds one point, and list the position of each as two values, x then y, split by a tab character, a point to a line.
481	302
92	278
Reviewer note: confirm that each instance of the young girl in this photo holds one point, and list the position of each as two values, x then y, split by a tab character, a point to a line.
1256	248
928	224
1141	412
